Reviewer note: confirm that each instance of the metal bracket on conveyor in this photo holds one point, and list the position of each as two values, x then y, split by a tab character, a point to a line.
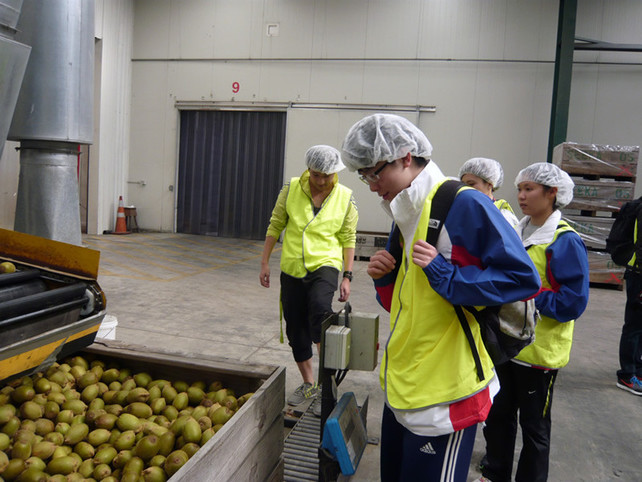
304	457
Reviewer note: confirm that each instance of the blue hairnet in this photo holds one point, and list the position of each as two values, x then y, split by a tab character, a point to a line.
383	137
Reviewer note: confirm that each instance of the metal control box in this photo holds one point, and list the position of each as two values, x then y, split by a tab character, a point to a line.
364	341
337	347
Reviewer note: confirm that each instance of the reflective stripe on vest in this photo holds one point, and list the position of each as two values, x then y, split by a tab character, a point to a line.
553	340
427	360
310	240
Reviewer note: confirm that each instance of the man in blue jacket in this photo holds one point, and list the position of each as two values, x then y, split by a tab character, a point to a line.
433	395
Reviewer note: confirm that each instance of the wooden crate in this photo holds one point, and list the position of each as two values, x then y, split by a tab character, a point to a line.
603	271
605	195
592	229
250	445
598	160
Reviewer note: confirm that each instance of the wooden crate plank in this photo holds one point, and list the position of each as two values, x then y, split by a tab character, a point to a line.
606	160
219	458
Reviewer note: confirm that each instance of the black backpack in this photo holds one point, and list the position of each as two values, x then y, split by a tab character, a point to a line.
619	242
505	329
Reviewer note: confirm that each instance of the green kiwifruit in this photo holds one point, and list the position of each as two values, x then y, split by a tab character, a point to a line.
169	393
44	426
110	375
142	379
86	468
166	443
190	448
175	461
191	431
181	401
147	447
6	413
85	450
138	394
76	433
195	394
154	474
21	450
157	460
221	415
23	393
62	465
106	421
42	385
139	409
128	421
43	449
105	455
98	436
125	440
89	393
102	471
122	458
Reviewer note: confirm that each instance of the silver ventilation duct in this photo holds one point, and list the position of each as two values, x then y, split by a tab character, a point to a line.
13	62
53	115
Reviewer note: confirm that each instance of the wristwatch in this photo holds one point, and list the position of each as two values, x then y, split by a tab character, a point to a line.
348	274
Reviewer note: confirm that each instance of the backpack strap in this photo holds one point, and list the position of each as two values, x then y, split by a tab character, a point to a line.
439	207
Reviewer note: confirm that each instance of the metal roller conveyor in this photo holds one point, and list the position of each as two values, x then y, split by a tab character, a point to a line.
51	306
19	284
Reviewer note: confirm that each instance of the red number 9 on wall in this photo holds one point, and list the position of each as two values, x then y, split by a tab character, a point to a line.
236	87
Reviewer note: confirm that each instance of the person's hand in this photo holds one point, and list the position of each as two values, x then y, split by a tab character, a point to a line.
423	253
381	263
344	290
264	277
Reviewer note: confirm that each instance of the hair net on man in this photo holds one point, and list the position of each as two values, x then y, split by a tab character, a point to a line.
325	159
487	169
383	137
548	174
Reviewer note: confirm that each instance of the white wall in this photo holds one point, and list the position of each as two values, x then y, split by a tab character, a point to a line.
486	66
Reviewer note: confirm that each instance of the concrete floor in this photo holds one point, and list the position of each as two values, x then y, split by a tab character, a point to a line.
202	294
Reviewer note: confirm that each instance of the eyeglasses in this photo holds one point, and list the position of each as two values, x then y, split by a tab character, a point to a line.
372	177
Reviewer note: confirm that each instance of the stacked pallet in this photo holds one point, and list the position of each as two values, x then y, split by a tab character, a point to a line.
604	177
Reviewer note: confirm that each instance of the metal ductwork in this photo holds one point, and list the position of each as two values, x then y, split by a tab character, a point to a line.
13	62
53	115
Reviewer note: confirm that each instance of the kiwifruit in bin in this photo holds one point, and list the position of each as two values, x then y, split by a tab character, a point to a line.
86	468
175	461
147	447
33	474
139	409
13	469
154	474
142	379
105	455
125	440
85	449
138	394
101	471
122	458
63	465
157	460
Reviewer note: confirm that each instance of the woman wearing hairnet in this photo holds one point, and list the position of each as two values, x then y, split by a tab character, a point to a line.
487	175
527	381
320	221
434	396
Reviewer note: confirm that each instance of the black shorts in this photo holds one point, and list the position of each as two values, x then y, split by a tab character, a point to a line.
306	303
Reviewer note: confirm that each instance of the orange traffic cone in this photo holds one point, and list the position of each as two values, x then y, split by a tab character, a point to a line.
121	223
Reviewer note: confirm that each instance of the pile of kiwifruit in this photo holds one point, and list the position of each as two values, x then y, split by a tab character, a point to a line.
84	420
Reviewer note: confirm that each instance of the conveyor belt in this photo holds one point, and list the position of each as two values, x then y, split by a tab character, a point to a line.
301	449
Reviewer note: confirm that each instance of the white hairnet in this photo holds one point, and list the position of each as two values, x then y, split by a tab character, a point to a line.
487	169
325	159
548	174
383	137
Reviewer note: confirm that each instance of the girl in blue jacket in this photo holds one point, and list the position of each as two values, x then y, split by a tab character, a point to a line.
527	381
